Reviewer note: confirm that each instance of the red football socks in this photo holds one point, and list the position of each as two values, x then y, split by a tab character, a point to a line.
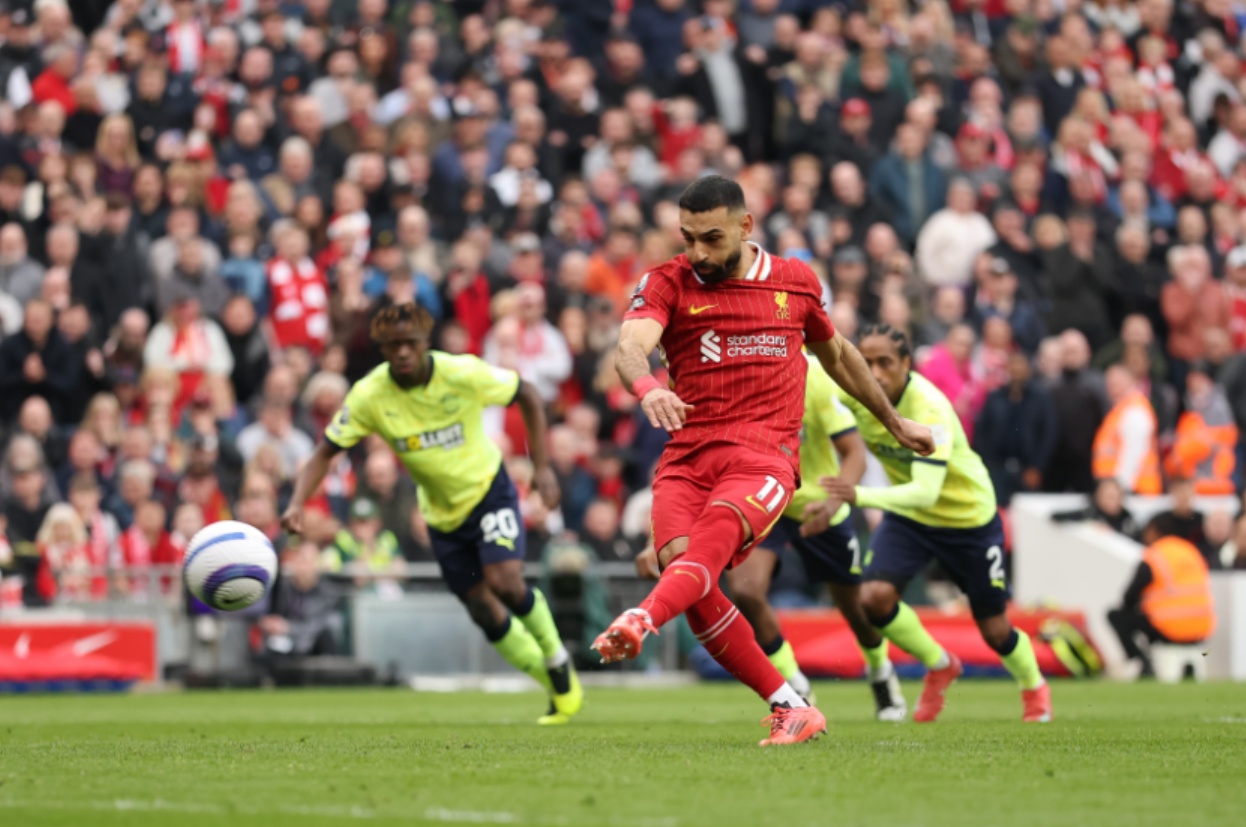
729	638
716	536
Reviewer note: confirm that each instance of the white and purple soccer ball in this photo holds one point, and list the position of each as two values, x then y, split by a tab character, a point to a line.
229	565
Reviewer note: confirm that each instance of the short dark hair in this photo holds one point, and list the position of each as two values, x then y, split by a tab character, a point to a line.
396	314
894	334
710	193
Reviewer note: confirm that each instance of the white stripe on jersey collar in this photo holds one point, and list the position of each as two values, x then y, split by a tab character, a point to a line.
760	271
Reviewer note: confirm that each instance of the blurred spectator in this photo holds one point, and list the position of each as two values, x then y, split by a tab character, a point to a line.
1079	274
387	485
300	293
247	345
20	275
1016	431
192	346
1193	301
953	237
1136	332
1106	507
1167	601
1183	519
275	428
998	298
1125	444
537	348
1205	445
305	617
363	548
69	568
35	361
949	365
907	183
578	487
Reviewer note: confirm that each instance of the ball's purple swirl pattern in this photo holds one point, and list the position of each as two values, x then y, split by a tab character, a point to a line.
215	541
234	571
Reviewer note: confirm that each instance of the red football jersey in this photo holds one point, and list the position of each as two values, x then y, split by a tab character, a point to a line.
733	350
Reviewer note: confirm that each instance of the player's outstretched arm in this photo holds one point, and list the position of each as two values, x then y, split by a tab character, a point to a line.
533	409
846	366
309	480
637	339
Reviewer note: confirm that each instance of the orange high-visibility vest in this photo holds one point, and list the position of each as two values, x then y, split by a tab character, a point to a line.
1107	448
1178	602
1204	453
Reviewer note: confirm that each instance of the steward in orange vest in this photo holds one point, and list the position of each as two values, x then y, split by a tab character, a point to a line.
1205	447
1169	600
1125	446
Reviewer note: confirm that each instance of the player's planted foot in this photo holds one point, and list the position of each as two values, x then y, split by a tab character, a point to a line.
1037	705
934	692
889	701
553	717
624	637
792	725
568	694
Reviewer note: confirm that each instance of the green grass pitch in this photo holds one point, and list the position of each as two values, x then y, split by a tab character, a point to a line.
1128	755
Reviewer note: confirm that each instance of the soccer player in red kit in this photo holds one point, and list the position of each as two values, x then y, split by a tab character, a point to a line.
730	320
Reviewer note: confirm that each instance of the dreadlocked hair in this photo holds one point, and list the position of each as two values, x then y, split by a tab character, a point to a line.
894	334
396	314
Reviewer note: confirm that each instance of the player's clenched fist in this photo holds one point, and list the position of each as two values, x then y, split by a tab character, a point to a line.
665	409
914	436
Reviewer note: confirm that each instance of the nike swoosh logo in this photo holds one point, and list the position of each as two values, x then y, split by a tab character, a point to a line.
94	643
690	574
695	310
720	654
752	501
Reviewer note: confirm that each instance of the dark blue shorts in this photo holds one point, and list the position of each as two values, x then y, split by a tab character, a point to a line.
834	556
972	557
492	533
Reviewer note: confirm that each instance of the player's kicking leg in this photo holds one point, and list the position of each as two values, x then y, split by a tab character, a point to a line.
692	561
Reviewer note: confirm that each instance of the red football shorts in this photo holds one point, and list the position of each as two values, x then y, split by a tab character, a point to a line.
760	486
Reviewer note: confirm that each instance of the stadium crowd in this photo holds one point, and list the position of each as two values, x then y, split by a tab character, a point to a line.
203	202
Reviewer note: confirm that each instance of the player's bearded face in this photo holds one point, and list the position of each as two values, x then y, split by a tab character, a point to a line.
713	272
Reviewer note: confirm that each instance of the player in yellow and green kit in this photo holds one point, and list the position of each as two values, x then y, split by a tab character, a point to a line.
819	528
427	405
940	507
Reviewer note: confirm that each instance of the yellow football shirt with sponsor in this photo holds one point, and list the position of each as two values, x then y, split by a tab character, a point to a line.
435	429
826	418
967	499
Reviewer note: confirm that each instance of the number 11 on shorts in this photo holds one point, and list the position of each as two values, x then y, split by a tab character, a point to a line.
772	489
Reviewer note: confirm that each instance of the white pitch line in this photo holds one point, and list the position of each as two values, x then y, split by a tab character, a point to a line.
190	808
159	805
470	816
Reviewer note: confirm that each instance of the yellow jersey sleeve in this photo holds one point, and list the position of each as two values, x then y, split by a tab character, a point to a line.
487	384
839	419
354	421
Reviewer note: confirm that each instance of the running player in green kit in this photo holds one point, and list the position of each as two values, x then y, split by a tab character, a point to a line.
427	405
941	507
